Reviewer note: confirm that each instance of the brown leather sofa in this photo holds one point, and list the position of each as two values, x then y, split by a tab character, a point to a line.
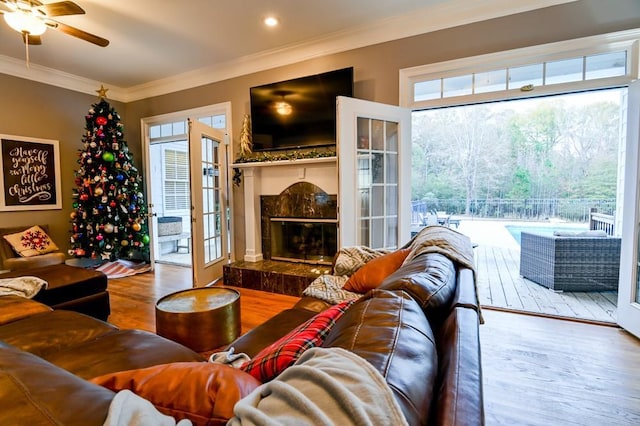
420	329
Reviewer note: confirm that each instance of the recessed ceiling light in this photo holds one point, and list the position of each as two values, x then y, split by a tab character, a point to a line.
271	21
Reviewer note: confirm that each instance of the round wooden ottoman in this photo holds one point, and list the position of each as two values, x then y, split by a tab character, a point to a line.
200	318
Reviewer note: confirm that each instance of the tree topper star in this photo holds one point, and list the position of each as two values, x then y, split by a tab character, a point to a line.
102	92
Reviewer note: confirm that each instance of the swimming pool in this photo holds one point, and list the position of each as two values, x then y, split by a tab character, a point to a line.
515	230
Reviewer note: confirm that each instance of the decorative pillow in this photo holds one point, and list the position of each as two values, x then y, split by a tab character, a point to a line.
31	242
329	288
372	274
284	352
202	392
350	259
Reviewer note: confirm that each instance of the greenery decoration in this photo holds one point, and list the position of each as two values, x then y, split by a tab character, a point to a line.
284	156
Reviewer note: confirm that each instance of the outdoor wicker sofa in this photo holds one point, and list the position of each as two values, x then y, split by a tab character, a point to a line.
570	263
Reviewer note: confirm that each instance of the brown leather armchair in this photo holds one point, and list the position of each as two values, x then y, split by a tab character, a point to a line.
13	262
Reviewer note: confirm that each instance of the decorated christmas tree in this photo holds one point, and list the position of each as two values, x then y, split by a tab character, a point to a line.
109	217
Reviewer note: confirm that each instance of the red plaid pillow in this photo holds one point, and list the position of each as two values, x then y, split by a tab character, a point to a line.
284	352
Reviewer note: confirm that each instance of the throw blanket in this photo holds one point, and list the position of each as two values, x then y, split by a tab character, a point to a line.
326	386
449	243
27	286
443	240
129	409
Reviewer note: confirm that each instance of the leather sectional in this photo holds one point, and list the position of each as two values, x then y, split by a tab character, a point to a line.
420	329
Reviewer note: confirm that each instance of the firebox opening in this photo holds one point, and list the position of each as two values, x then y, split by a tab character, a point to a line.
304	240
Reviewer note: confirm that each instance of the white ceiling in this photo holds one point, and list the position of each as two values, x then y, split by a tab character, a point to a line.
159	46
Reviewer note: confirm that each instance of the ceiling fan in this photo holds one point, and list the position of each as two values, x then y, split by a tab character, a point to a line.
32	18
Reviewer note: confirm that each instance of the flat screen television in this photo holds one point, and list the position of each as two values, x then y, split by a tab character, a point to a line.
298	113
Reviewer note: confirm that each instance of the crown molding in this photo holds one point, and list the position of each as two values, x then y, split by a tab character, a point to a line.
444	15
53	77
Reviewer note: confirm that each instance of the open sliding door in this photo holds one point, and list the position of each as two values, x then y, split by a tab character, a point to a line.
208	202
629	287
374	163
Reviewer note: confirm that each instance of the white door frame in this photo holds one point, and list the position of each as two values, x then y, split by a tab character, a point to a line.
628	301
223	108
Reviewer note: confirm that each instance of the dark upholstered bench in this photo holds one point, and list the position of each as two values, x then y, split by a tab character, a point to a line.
70	288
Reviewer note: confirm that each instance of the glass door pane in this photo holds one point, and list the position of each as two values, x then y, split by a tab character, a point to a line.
377	182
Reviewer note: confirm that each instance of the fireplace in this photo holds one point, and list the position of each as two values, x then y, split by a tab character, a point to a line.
304	240
300	225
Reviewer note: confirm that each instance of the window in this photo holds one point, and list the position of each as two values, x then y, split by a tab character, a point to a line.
178	129
176	180
594	62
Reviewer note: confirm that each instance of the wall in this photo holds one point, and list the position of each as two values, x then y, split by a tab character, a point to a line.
41	111
376	74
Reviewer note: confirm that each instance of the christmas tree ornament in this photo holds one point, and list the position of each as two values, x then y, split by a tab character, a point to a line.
145	239
108	156
136	227
108	228
98	192
101	121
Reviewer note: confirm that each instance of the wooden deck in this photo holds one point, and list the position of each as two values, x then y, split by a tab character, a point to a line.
501	286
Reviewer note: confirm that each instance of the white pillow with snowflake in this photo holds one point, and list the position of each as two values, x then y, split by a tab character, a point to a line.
31	242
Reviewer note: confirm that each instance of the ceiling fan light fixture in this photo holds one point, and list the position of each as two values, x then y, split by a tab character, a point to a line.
25	22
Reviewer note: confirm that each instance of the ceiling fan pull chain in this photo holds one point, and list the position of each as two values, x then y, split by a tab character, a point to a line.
26	47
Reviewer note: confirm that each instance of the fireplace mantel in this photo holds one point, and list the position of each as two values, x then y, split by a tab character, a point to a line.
273	177
298	162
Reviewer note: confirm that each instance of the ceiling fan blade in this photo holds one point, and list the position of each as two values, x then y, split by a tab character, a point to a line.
75	32
5	4
62	8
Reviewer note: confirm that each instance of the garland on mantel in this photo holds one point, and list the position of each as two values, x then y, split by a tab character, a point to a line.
283	156
261	157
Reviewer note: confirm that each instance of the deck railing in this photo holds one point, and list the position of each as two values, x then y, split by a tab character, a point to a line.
601	222
573	210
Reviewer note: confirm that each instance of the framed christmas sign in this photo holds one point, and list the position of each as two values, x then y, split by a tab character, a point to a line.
29	174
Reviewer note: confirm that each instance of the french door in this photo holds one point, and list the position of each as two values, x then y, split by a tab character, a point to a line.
207	154
629	287
374	163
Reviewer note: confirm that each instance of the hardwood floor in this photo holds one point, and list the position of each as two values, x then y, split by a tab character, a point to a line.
133	299
544	371
536	371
